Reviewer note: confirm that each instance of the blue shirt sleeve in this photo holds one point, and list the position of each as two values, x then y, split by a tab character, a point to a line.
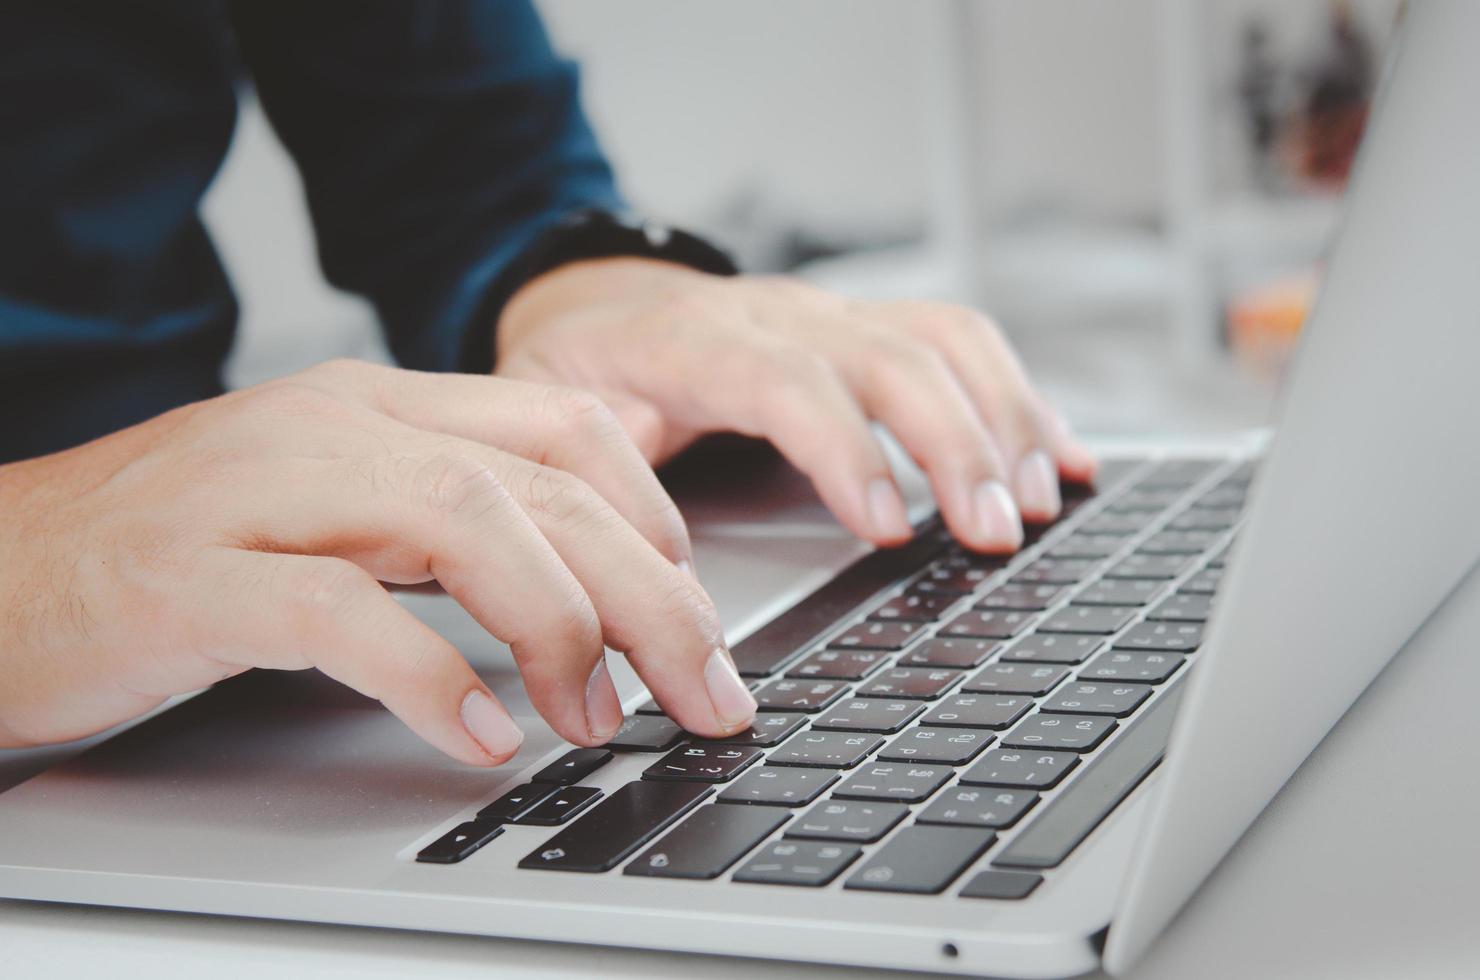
435	139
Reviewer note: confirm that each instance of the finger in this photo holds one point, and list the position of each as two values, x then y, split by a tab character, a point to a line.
293	611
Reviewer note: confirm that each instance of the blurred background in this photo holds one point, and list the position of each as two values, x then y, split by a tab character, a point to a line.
1141	192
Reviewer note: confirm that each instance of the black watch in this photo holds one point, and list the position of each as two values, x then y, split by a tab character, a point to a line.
578	236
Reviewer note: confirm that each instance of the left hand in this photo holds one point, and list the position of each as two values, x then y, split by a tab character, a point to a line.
676	353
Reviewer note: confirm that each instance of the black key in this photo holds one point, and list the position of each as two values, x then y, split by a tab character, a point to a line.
1067	733
1158	567
646	733
1184	607
1101	620
1021	769
616	826
942	746
459	842
848	820
1205	519
988	624
1120	592
1007	886
914	607
979	806
1054	571
1162	637
1073	814
869	715
1048	648
768	729
704	762
1108	522
828	750
876	635
978	711
517	802
648	707
708	841
949	653
1177	543
1098	699
1205	582
1095	546
951	578
573	767
798	695
840	665
1133	666
1143	500
776	786
921	860
810	864
561	805
1021	595
1015	678
914	683
903	782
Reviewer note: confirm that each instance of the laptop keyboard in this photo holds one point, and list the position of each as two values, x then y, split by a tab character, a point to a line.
926	711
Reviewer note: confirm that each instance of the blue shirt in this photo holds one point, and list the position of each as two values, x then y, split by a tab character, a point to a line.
435	140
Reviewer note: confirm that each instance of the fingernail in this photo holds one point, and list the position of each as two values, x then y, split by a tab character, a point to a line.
1038	485
687	567
732	700
997	521
603	708
886	510
490	725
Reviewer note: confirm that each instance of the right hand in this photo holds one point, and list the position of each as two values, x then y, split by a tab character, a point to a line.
255	530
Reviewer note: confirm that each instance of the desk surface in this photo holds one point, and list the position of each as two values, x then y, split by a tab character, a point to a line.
1364	866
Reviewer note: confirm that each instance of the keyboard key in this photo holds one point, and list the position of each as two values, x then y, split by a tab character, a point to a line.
517	802
1153	501
914	607
616	827
988	624
1158	567
1205	582
777	786
1128	665
708	841
921	860
899	781
828	750
1098	699
1021	769
1205	519
810	864
1109	778
949	653
1068	733
768	729
1108	522
1049	648
1054	571
648	707
840	665
1223	496
574	766
1093	546
869	715
1184	607
914	683
1120	592
1177	543
1100	620
1178	473
942	746
646	733
705	762
459	842
848	820
1164	637
1015	678
978	711
979	806
798	695
1020	595
876	636
950	578
1007	886
561	805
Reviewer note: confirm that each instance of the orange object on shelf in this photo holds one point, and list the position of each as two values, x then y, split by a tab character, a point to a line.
1264	323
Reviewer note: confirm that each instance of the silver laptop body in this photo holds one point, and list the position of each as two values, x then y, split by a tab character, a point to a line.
286	796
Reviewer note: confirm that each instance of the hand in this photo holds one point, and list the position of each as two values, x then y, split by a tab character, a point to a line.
255	530
676	353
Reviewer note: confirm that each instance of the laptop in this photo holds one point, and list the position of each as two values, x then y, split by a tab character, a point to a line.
1017	767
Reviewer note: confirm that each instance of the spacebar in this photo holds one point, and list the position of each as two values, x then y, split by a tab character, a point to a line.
1099	789
616	826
